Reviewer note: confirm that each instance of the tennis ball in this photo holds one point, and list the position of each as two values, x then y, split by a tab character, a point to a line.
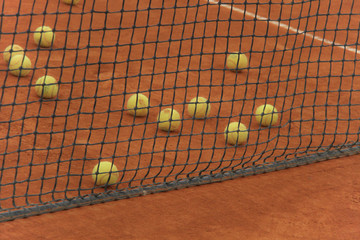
199	107
105	173
46	87
237	61
169	119
20	65
266	115
44	36
236	133
138	105
12	50
71	2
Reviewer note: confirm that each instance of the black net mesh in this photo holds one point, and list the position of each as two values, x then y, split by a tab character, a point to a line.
302	59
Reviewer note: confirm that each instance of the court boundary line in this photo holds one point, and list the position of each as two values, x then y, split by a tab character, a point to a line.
284	26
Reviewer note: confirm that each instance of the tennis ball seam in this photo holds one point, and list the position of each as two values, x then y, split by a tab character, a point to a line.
20	65
105	173
44	36
237	136
138	105
266	115
11	51
46	87
237	61
199	107
169	119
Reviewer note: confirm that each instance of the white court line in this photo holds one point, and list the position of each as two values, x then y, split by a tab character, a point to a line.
285	26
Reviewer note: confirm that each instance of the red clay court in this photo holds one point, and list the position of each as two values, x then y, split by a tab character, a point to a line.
303	59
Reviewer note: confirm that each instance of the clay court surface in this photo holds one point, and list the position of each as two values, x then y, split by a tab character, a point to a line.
172	55
318	201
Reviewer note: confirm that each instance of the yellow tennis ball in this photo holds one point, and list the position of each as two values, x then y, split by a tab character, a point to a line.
266	115
105	173
199	107
169	119
236	133
20	65
12	50
44	36
46	87
71	2
138	105
237	61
